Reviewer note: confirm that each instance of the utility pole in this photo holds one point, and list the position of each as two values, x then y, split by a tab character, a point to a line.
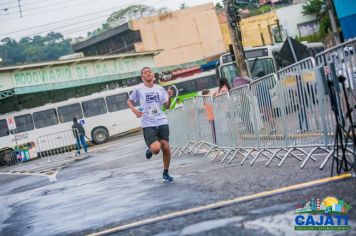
233	18
333	21
20	7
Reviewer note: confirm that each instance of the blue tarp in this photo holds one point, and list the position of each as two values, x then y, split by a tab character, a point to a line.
348	26
346	12
345	7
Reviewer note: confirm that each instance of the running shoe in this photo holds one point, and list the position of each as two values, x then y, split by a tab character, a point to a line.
148	154
167	177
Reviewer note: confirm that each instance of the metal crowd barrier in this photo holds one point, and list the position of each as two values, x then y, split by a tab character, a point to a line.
57	143
278	116
178	136
333	63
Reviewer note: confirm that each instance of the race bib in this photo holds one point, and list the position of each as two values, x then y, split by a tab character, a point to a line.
153	111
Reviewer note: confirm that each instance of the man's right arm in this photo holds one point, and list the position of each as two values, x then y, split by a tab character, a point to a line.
137	113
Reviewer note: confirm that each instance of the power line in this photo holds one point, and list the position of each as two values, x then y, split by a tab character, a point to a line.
24	4
82	28
59	21
4	3
71	24
47	11
64	26
50	5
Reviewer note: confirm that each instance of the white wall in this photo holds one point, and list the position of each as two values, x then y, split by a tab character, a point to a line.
290	16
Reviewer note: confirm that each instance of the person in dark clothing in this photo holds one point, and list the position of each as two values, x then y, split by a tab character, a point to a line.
79	134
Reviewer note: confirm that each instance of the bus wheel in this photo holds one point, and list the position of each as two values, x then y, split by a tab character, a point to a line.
100	135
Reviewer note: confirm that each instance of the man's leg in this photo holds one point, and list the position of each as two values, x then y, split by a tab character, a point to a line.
163	134
150	135
84	144
166	150
155	147
78	147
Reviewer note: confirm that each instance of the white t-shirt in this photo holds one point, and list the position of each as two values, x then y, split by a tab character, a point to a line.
151	101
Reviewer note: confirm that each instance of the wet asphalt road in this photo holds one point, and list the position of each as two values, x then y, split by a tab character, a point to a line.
116	185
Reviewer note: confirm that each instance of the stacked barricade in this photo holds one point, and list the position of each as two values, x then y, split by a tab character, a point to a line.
57	143
278	116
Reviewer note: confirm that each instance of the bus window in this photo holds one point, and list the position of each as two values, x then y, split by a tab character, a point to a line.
260	67
4	129
229	71
186	87
117	102
207	83
67	113
24	123
94	107
45	118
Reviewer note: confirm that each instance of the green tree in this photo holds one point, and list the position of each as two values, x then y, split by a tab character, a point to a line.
318	9
130	13
218	6
35	49
183	5
314	7
125	15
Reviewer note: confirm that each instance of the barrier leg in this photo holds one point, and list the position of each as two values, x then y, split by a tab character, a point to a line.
222	161
248	153
217	153
326	159
233	155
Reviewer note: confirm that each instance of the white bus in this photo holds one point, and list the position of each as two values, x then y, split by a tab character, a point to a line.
102	114
261	61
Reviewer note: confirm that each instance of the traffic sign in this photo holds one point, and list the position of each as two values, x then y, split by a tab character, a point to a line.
11	123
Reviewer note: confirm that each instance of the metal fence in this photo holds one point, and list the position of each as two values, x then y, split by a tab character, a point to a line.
57	143
288	114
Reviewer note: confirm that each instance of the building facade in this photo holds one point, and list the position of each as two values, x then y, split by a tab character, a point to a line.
37	84
182	36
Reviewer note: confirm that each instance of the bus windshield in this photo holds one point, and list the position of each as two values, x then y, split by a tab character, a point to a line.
260	67
229	71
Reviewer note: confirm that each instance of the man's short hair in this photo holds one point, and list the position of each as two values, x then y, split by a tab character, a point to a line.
75	120
146	67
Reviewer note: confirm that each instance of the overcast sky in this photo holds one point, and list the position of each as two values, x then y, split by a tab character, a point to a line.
72	18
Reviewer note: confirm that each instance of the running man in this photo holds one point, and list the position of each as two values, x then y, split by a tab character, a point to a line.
154	121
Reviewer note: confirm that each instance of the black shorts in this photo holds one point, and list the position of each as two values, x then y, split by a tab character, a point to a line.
153	134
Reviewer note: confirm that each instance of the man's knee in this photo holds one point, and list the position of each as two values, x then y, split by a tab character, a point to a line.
165	145
155	147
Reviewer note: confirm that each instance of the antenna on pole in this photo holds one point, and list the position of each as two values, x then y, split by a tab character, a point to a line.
19	1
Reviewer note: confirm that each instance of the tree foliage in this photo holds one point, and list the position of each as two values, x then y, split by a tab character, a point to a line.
35	49
219	6
314	7
183	5
317	8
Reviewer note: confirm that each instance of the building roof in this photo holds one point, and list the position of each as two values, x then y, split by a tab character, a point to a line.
98	38
77	60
